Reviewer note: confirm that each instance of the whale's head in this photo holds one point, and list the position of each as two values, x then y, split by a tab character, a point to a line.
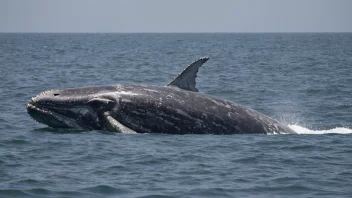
79	108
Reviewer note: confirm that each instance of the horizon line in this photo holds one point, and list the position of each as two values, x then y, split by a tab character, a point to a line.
264	32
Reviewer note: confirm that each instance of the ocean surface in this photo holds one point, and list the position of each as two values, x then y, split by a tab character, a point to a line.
304	80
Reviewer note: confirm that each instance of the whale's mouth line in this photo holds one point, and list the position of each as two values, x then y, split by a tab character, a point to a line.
52	117
51	111
41	110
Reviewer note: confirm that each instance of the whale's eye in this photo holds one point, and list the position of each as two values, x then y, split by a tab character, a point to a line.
56	94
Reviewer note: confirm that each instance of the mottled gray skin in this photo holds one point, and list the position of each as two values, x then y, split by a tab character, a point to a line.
148	109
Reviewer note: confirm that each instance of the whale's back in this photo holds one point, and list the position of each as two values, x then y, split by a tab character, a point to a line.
173	110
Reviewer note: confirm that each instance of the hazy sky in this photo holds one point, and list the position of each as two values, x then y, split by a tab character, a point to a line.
175	15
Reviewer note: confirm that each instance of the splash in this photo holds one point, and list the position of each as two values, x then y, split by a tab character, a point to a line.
337	130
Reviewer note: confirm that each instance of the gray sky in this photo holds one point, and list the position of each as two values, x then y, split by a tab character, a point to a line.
175	15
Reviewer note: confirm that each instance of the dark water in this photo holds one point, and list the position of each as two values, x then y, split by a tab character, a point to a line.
303	80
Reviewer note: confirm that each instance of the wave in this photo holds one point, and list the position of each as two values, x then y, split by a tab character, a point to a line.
338	130
96	191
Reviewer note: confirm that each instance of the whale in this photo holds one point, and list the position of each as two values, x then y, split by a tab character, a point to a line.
176	108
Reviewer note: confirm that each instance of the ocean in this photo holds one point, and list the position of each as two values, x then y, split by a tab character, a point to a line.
301	79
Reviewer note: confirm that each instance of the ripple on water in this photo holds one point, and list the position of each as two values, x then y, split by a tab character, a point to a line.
105	190
14	142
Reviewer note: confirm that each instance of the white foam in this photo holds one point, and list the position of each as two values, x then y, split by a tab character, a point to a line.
337	130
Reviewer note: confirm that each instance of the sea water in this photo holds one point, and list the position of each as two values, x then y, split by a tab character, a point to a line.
303	80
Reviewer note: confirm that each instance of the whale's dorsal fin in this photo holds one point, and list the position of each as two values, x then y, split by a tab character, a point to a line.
187	78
